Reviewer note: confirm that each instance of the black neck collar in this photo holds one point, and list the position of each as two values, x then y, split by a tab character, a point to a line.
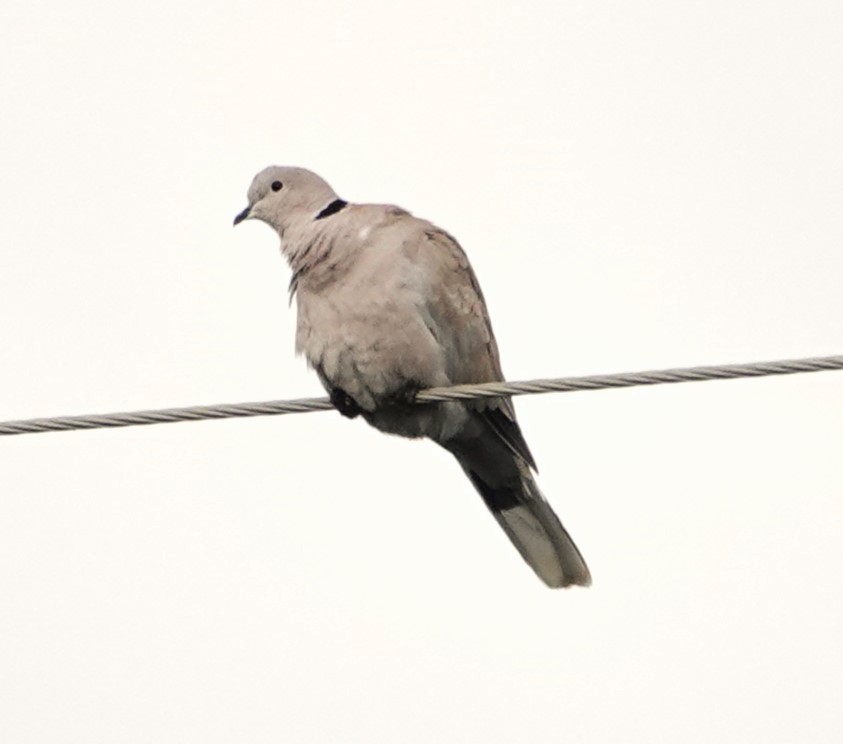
334	207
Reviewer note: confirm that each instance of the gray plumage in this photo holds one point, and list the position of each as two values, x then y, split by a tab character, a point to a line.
387	305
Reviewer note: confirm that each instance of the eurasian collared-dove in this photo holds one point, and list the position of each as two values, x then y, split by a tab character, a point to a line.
388	305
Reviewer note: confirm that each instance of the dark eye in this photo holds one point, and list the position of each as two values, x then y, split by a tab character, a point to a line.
277	185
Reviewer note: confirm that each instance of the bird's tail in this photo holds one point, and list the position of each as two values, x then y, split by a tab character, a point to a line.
505	482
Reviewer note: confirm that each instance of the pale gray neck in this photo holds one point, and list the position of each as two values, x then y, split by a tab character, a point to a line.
313	249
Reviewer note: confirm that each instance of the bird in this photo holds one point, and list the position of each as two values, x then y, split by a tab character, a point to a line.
387	305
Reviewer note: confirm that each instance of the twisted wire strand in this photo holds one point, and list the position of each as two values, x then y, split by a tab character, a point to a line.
457	392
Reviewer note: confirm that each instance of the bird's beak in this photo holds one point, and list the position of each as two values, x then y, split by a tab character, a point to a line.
242	216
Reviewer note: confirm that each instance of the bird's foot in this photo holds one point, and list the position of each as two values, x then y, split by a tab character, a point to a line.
404	398
344	403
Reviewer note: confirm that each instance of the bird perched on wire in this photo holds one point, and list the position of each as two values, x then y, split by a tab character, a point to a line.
388	305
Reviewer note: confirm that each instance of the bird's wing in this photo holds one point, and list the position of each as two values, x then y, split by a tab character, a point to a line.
457	316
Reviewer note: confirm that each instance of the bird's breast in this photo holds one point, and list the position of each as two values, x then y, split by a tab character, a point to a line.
371	341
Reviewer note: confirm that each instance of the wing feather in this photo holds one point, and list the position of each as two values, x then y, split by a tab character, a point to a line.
458	318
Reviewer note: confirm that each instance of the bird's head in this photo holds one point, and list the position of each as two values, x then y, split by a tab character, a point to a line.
281	196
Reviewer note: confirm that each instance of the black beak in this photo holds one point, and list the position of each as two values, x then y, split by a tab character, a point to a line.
242	216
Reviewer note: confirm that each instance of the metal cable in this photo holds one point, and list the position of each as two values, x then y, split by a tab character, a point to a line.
458	392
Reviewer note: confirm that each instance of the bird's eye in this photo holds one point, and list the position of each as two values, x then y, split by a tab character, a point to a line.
277	185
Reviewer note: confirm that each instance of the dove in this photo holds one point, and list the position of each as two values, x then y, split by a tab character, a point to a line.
387	305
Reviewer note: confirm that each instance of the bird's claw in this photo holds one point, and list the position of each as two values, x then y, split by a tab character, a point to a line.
405	397
344	403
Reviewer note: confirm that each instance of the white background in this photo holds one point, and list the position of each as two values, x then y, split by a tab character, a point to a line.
638	185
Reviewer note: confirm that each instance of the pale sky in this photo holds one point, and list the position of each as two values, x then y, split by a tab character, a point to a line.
638	185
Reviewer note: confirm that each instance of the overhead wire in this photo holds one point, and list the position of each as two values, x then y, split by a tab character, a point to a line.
433	395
